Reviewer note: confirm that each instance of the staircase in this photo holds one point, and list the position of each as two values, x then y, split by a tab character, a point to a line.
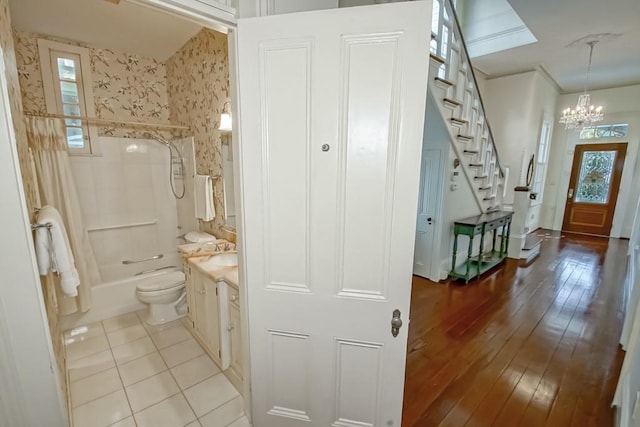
454	88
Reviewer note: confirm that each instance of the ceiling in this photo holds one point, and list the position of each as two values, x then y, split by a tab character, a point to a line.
124	27
554	23
557	23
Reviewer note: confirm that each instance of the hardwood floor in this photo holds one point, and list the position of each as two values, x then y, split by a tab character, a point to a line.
529	345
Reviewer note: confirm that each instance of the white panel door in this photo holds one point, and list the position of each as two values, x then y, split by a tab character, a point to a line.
331	115
428	201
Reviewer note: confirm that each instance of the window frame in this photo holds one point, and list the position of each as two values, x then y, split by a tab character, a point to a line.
49	52
539	174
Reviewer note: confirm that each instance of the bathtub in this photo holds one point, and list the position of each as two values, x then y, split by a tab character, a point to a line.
112	299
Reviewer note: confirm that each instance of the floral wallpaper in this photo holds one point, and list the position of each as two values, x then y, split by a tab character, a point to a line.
198	86
126	87
15	100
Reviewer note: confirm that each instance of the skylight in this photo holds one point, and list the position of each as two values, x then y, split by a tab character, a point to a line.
491	26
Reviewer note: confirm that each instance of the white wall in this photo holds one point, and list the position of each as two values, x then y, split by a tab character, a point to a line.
621	105
128	185
516	106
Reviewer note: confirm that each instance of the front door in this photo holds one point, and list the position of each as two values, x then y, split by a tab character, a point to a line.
332	106
593	188
425	260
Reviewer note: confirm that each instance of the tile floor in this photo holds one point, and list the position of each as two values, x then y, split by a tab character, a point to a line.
125	373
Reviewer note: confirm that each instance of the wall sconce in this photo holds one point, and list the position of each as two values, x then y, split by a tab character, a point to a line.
225	118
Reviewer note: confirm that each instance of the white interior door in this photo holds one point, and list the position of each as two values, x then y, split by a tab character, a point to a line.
331	115
428	208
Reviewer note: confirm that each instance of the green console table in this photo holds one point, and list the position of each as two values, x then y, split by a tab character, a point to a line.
481	224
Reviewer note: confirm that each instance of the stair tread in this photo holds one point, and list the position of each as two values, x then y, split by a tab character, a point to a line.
464	136
458	120
471	151
452	101
485	188
437	58
445	81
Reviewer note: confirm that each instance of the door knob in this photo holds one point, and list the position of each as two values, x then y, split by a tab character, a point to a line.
429	220
396	322
570	194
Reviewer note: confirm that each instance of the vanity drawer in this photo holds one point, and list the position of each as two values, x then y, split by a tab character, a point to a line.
234	298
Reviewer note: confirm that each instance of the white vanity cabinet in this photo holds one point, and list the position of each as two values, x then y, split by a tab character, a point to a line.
202	297
231	331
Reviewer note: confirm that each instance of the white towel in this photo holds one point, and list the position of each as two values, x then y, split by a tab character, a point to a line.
203	195
53	250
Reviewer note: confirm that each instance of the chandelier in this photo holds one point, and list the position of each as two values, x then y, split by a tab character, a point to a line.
585	114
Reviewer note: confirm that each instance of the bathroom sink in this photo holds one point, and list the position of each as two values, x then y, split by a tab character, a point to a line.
226	259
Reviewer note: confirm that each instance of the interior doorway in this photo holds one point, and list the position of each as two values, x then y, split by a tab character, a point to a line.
593	188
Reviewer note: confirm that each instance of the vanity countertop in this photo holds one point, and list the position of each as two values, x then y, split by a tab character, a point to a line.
188	250
201	260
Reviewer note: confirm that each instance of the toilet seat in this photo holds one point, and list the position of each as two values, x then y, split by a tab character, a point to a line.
162	282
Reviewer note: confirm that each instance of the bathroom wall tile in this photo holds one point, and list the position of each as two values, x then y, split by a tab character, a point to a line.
138	175
82	171
225	414
133	350
87	347
174	411
142	368
103	411
194	371
94	386
151	391
125	335
181	352
110	148
171	336
108	174
120	322
210	394
87	366
89	204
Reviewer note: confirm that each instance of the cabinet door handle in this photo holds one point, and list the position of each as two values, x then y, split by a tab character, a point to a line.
202	292
234	298
230	327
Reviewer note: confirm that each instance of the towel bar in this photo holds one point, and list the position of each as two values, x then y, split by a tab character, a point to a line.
36	226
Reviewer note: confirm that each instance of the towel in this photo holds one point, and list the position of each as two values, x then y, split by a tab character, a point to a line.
53	251
203	195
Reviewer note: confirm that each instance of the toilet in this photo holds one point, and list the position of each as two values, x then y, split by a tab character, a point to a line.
165	295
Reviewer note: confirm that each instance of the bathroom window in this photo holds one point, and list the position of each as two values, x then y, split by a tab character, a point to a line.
67	83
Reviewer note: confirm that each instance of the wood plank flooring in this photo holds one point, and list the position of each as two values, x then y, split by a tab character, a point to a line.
532	345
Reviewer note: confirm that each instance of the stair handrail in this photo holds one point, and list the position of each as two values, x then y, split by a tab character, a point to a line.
458	29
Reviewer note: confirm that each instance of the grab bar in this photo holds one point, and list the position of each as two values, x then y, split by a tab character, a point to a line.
127	261
154	270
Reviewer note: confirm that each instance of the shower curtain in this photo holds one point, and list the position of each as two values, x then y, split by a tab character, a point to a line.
57	188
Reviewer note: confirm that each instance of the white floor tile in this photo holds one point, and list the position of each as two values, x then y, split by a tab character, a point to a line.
120	322
97	385
171	336
125	335
181	352
127	422
194	371
151	391
210	394
87	366
172	412
85	348
144	367
242	422
133	350
102	412
82	333
152	329
225	414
